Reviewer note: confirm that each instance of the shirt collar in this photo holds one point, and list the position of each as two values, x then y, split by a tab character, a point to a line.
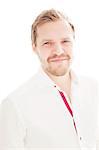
47	81
74	77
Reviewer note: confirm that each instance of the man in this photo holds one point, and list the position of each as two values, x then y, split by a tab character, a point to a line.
55	108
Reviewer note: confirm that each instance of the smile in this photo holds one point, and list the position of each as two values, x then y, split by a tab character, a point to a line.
58	60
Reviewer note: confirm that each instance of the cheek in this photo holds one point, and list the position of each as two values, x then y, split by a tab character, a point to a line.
68	51
68	48
44	54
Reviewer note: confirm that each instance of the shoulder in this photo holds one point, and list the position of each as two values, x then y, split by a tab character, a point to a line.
88	82
89	87
84	82
23	91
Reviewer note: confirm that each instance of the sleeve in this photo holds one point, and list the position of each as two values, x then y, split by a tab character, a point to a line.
12	131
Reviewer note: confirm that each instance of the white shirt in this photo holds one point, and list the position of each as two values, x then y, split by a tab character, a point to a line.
35	117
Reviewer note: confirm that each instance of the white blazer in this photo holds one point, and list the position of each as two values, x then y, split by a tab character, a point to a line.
35	116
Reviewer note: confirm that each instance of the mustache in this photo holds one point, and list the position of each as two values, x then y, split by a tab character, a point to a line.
67	57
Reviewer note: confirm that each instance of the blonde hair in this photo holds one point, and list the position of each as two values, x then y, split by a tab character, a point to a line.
51	15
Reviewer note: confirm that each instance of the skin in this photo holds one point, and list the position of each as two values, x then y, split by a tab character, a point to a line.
55	51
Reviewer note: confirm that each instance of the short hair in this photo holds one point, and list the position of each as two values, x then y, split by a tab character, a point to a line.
45	16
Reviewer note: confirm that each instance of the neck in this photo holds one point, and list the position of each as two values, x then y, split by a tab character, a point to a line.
64	82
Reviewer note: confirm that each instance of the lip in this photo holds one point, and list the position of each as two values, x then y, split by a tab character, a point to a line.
58	59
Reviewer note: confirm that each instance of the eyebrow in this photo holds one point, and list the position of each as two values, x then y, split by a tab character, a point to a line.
67	38
44	40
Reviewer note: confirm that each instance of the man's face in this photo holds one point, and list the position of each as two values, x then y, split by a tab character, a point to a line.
54	47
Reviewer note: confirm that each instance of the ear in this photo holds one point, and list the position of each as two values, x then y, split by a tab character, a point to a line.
34	48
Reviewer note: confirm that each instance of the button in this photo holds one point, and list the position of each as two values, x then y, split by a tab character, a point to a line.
80	138
54	85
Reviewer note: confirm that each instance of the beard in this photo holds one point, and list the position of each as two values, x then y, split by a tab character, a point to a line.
58	65
58	70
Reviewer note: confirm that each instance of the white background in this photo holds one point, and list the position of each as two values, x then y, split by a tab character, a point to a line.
17	60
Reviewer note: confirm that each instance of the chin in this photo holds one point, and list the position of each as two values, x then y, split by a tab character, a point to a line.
58	72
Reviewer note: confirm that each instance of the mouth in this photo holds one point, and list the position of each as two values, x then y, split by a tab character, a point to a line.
58	59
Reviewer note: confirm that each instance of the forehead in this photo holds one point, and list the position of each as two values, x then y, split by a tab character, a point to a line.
58	29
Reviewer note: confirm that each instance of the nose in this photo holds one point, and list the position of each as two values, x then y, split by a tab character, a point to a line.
58	49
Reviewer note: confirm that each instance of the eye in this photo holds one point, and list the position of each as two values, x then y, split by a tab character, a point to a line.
65	41
46	43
